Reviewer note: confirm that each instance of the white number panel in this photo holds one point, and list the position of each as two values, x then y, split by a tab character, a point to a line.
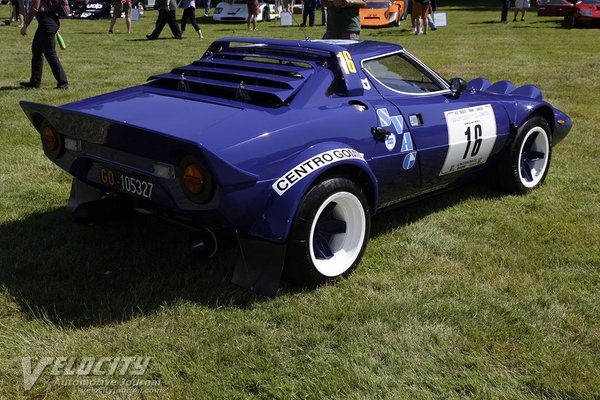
471	137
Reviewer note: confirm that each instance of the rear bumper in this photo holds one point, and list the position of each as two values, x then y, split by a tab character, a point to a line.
230	209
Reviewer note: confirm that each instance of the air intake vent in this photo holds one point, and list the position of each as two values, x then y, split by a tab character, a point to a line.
249	73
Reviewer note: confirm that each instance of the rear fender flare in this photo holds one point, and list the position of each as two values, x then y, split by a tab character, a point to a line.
300	175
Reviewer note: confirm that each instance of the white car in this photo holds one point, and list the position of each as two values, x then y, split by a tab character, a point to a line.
237	11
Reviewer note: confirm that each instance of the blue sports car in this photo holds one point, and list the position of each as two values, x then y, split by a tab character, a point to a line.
292	146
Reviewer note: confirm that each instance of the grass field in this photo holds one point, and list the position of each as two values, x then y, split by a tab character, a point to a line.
469	294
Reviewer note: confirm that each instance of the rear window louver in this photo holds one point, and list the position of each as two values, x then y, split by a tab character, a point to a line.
252	74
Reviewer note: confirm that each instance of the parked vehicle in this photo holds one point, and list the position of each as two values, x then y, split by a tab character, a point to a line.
237	11
292	146
381	13
584	13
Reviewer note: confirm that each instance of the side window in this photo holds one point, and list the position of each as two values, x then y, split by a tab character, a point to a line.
398	73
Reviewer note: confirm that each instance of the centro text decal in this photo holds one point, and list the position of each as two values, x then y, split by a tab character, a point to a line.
294	175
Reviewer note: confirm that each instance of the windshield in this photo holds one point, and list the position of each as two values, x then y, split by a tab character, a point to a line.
399	73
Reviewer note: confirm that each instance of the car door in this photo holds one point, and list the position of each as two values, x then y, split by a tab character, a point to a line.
451	135
393	155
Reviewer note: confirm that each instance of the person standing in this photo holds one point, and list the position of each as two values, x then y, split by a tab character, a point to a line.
253	11
420	12
521	5
118	7
430	19
343	19
189	13
18	11
206	8
308	10
407	12
167	10
323	12
504	14
44	45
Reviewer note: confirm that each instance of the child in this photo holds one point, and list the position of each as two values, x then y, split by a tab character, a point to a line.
189	13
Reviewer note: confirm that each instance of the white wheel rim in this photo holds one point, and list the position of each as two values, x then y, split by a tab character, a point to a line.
345	247
533	157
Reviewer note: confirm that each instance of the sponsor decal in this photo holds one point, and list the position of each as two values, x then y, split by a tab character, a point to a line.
366	84
407	144
409	160
385	119
300	171
390	141
471	137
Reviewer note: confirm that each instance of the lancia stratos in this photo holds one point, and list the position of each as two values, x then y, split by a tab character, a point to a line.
292	146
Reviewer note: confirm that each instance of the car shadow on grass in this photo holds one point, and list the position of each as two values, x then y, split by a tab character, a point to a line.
85	275
7	88
78	275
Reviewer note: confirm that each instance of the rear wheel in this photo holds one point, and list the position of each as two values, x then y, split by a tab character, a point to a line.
526	165
330	232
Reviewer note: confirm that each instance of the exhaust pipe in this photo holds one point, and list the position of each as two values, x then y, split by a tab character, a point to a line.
204	241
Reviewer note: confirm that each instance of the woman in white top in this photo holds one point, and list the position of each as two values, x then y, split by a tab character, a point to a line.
189	13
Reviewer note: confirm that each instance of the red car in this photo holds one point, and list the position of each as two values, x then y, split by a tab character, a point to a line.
576	13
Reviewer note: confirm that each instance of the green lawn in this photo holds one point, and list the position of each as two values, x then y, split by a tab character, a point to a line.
469	294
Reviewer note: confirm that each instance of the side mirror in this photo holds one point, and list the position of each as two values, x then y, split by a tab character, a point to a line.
457	86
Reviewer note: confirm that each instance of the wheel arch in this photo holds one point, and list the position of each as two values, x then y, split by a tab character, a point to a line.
264	246
546	113
280	210
356	174
524	112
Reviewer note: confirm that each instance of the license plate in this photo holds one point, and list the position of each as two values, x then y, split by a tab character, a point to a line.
126	182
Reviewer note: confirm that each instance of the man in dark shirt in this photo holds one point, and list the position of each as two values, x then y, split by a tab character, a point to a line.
44	45
343	19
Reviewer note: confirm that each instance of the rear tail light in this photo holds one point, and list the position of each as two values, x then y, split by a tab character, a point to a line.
50	138
195	180
53	142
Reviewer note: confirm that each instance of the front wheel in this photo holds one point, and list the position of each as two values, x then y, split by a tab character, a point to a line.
330	232
526	164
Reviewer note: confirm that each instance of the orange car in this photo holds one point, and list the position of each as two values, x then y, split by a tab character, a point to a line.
380	13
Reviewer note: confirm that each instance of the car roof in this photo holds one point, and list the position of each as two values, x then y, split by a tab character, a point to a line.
359	49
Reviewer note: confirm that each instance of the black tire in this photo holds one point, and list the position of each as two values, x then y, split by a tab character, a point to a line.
526	164
336	205
266	14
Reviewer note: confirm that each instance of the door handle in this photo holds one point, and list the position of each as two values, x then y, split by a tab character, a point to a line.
379	133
